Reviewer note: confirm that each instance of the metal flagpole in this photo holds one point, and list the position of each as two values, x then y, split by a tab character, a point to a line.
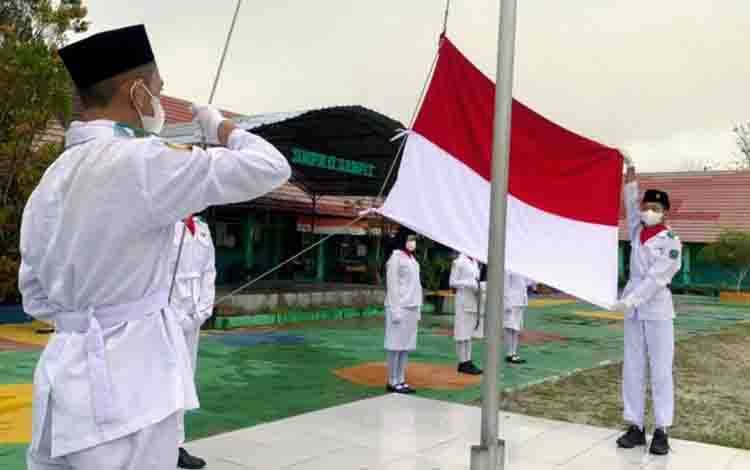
490	454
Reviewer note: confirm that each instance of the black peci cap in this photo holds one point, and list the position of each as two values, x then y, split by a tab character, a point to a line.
108	54
654	195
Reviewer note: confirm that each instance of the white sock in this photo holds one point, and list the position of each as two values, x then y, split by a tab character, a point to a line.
403	360
460	351
463	349
392	357
516	340
508	341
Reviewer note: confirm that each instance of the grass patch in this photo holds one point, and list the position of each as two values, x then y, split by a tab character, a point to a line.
712	381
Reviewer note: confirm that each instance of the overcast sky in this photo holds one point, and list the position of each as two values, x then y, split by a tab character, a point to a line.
665	79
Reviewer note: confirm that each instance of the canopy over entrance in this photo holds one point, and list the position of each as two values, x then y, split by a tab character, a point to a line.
343	150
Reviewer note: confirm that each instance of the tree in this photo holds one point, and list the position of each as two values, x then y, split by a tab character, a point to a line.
742	131
432	267
19	13
42	19
732	253
35	90
696	165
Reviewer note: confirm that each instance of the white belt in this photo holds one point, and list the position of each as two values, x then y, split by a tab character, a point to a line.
91	322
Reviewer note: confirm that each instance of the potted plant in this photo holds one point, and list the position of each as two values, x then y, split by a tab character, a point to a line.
731	252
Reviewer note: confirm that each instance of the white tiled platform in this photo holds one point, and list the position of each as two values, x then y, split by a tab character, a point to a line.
396	432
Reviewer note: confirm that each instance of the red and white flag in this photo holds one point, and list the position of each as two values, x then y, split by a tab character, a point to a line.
563	189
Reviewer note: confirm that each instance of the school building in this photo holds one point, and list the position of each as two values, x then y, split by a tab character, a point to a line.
703	205
340	156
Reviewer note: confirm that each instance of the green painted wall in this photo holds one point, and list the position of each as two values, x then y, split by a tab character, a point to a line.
320	272
694	272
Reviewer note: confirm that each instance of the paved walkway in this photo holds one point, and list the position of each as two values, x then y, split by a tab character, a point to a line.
396	432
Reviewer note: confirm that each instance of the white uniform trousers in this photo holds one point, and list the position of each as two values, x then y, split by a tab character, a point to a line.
151	448
649	344
191	340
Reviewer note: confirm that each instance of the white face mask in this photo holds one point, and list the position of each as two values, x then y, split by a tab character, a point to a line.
411	245
651	217
153	124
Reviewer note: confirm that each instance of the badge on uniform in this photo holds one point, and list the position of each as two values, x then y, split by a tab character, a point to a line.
674	254
179	146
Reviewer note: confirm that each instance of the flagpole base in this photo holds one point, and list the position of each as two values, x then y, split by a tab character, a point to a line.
488	458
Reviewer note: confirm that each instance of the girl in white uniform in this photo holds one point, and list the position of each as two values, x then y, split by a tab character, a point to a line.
649	312
192	300
516	300
403	305
465	279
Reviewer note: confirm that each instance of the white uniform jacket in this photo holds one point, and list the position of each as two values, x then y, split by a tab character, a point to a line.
652	266
195	285
464	278
516	292
95	241
403	302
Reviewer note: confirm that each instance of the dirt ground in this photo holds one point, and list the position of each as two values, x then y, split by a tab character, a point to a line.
712	380
418	375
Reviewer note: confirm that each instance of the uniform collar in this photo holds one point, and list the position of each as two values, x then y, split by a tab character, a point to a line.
133	131
650	232
81	132
407	253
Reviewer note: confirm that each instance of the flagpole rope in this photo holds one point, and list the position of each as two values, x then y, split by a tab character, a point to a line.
390	171
445	18
382	188
411	122
285	262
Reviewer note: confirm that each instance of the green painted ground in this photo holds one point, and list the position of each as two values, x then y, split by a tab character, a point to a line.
251	377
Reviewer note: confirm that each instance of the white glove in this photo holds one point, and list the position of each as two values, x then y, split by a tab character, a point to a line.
627	158
208	119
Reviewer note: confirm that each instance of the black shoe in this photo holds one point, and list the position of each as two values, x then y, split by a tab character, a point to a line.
391	388
635	436
470	368
659	443
515	359
186	460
